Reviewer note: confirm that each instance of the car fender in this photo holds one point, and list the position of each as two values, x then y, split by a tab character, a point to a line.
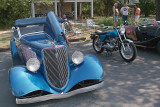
14	50
90	69
23	81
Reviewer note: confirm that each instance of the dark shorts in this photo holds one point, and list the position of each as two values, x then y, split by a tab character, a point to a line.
125	17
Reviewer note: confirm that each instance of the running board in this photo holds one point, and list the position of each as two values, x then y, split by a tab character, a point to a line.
58	96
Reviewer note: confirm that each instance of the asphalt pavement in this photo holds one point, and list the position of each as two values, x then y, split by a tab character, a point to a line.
135	84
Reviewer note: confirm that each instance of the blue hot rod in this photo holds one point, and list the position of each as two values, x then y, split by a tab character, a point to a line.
41	67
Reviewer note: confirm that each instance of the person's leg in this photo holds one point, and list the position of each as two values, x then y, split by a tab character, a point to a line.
123	17
126	19
113	20
116	19
136	20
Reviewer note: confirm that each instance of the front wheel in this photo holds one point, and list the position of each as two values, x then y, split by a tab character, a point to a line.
97	45
130	51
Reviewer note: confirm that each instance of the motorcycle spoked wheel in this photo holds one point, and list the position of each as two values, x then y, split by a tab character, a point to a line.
97	45
130	53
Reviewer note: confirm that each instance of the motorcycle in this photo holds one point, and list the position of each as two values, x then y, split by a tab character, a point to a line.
114	40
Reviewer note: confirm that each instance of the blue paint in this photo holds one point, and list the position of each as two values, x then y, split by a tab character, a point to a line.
14	51
23	81
102	37
112	33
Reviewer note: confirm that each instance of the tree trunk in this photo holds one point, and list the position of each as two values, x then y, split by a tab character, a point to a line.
157	10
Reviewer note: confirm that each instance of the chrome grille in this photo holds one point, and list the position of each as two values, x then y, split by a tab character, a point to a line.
56	66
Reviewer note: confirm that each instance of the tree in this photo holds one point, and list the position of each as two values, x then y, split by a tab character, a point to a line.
147	7
157	9
60	9
13	9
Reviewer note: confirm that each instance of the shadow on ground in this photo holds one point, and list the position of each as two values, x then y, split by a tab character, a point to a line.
133	84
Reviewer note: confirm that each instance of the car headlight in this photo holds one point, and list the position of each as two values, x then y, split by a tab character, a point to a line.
77	57
33	64
122	30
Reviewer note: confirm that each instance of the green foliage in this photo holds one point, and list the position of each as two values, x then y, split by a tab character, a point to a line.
13	9
99	7
86	9
147	7
157	2
107	21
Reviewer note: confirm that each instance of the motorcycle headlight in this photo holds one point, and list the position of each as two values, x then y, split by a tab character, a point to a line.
122	30
33	64
77	57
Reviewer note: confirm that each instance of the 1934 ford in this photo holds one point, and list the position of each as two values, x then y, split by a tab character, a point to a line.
42	68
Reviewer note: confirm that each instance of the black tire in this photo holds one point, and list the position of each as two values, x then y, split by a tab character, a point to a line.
101	49
134	50
158	46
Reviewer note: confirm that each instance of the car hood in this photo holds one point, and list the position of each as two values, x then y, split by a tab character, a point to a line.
37	42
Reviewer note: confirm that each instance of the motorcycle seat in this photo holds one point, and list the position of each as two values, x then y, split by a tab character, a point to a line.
99	32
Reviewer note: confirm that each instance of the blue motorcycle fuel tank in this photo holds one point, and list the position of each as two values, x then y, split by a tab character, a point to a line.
112	33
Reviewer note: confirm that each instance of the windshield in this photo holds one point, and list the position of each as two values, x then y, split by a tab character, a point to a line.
31	29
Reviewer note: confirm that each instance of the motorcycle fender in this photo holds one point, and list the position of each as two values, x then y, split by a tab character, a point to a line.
24	82
90	69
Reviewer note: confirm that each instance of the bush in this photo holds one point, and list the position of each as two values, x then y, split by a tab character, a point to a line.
12	10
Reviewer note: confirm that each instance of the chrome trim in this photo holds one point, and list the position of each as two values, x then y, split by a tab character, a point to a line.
19	33
33	33
58	96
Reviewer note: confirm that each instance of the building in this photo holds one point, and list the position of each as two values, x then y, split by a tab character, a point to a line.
67	7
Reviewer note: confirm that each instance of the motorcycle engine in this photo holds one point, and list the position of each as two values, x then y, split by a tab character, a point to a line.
110	44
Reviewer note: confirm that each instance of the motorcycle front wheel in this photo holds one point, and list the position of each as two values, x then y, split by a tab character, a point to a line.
97	45
130	51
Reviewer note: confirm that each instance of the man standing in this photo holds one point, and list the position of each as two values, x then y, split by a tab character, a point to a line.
137	14
124	12
115	14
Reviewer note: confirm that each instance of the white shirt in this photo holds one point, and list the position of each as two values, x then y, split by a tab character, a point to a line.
124	10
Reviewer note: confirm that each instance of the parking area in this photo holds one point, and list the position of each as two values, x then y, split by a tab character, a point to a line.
135	84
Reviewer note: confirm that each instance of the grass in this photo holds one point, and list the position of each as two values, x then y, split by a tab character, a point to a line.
5	40
108	21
